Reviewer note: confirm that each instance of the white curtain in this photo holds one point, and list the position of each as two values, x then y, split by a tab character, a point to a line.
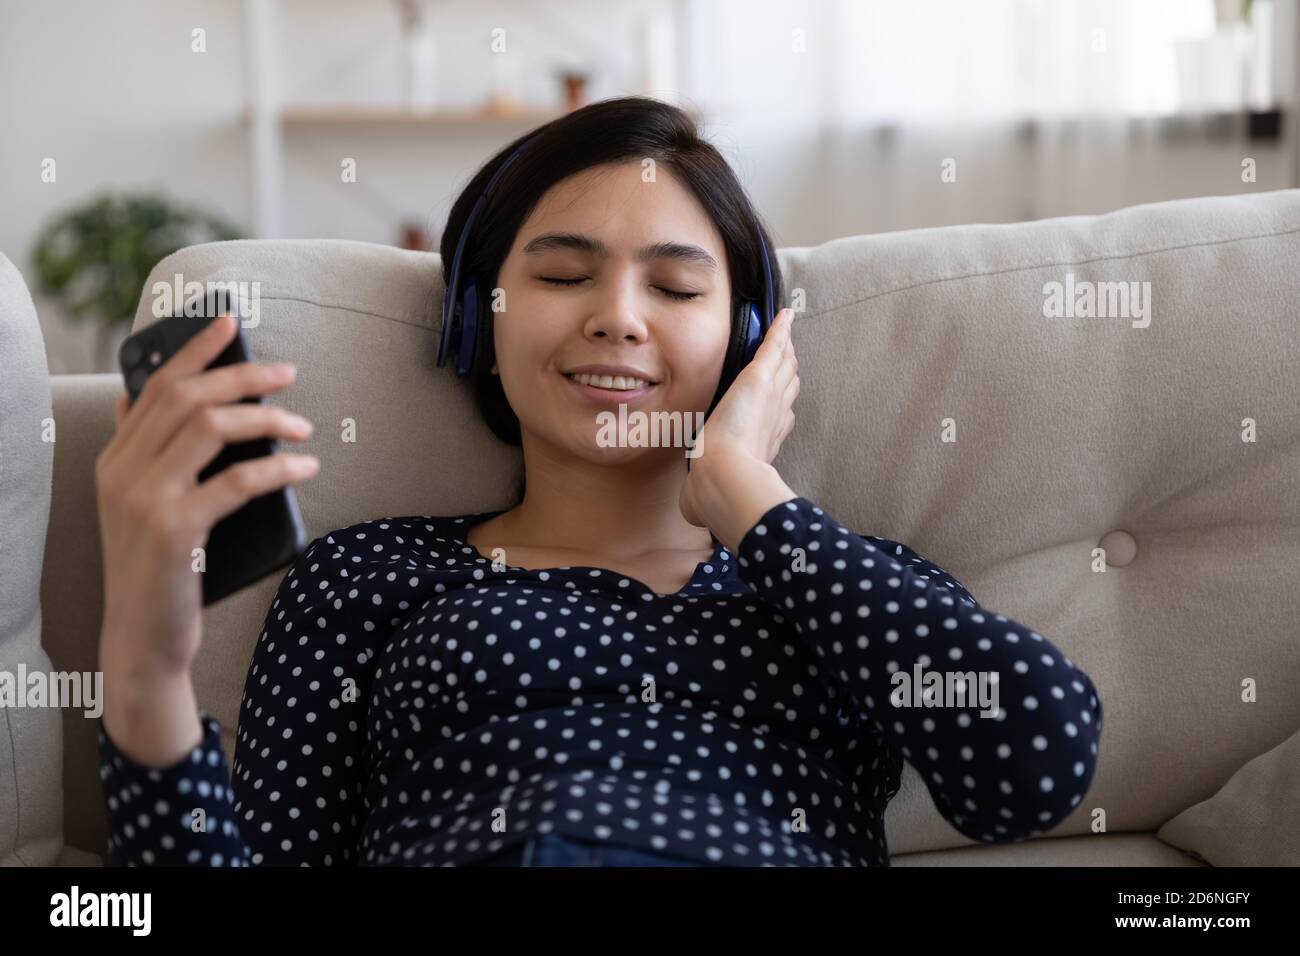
851	116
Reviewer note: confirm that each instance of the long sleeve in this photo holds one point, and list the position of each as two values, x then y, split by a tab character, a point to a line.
878	616
297	792
171	816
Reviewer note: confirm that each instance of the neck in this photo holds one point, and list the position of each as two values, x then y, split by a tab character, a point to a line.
622	509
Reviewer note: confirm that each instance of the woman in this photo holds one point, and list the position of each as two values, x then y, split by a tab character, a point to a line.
641	662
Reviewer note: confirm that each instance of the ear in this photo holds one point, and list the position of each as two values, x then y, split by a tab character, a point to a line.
494	369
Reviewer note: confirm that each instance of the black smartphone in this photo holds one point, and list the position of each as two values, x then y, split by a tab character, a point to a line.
265	534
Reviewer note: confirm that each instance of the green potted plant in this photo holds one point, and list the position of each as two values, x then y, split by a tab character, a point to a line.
94	260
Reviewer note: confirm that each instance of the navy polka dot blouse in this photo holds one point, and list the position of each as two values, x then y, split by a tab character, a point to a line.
409	702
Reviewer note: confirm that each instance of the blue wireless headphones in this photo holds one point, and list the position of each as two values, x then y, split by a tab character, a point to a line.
466	319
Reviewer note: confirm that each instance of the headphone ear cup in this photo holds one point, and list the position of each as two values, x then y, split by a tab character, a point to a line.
484	341
446	331
467	335
754	332
743	328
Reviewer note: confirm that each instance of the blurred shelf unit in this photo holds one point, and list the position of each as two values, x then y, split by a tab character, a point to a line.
270	119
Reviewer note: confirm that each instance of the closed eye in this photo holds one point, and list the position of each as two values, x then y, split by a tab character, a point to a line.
671	293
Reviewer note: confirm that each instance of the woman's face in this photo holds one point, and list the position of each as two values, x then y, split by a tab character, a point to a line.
645	286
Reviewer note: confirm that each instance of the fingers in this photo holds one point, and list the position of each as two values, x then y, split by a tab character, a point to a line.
787	426
781	325
791	390
213	427
228	490
193	356
196	354
785	376
777	341
787	370
178	399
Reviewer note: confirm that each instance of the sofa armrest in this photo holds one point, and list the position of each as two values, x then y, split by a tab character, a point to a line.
72	584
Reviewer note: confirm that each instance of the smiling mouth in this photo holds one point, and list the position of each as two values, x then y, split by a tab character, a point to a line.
611	384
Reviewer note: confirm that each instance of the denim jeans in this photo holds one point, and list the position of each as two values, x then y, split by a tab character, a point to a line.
553	849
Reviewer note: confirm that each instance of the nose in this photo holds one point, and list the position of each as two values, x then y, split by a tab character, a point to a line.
618	314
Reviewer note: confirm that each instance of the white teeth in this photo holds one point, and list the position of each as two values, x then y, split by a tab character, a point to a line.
619	383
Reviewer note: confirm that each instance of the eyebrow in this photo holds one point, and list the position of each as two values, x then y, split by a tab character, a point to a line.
682	252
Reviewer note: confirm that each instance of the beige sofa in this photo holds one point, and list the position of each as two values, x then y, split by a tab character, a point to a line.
940	406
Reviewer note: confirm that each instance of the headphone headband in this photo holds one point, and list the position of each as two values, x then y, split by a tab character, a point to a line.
451	316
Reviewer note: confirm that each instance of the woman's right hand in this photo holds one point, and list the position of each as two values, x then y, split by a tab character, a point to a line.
153	512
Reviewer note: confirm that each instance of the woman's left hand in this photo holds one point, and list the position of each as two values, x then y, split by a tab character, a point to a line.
751	420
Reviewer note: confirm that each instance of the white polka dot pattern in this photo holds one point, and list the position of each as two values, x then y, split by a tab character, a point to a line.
409	705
